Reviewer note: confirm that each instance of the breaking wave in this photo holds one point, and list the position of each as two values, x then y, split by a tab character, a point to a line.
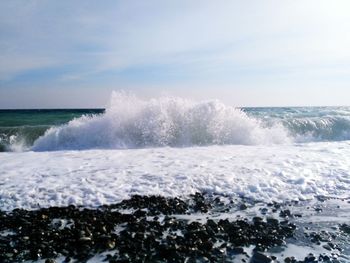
326	128
20	138
130	122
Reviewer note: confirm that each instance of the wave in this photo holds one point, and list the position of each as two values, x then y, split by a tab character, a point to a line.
307	124
130	122
20	138
325	128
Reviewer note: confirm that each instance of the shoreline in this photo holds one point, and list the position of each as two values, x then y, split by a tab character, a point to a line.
201	228
92	178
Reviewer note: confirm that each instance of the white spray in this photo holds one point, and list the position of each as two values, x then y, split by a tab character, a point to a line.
130	122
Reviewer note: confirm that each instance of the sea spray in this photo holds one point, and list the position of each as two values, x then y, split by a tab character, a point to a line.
130	122
20	138
20	128
308	124
325	128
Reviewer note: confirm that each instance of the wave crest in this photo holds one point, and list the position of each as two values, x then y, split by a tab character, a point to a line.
325	128
130	122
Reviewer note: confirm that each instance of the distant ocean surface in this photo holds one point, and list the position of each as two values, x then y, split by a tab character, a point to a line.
132	123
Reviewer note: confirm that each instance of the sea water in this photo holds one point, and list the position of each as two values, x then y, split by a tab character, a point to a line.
174	147
129	122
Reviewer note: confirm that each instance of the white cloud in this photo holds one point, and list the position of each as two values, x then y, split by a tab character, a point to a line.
209	41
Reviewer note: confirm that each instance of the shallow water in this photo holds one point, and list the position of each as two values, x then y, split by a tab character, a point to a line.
94	177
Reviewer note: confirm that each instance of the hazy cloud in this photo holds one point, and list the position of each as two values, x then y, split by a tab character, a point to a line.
234	45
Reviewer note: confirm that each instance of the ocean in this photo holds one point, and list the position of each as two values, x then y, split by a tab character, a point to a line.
175	122
190	146
174	147
20	128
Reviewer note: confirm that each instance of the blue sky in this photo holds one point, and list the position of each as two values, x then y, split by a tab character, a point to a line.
245	53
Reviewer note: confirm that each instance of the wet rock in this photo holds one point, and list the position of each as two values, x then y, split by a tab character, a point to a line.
318	209
264	211
260	258
290	260
345	228
149	229
310	258
285	213
243	207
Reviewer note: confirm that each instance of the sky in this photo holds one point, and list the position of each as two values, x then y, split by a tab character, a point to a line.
73	54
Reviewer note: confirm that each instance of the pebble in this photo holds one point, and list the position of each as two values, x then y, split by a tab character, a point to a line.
150	233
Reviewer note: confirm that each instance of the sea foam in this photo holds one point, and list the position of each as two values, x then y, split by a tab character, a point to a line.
130	122
91	178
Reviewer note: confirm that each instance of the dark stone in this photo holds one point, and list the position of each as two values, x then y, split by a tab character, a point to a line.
260	258
310	258
151	232
285	213
345	228
318	209
290	260
243	207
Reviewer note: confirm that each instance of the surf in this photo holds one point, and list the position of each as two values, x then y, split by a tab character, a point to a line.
130	122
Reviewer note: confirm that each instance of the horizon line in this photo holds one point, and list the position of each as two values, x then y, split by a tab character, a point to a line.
100	108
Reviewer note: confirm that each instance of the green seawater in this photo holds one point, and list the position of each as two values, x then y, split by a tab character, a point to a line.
166	125
20	128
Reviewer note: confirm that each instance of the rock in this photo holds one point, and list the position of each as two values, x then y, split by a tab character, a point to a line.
345	228
318	209
260	258
310	258
243	207
151	231
290	260
285	213
264	211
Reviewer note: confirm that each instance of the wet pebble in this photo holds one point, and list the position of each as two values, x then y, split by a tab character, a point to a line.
150	232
